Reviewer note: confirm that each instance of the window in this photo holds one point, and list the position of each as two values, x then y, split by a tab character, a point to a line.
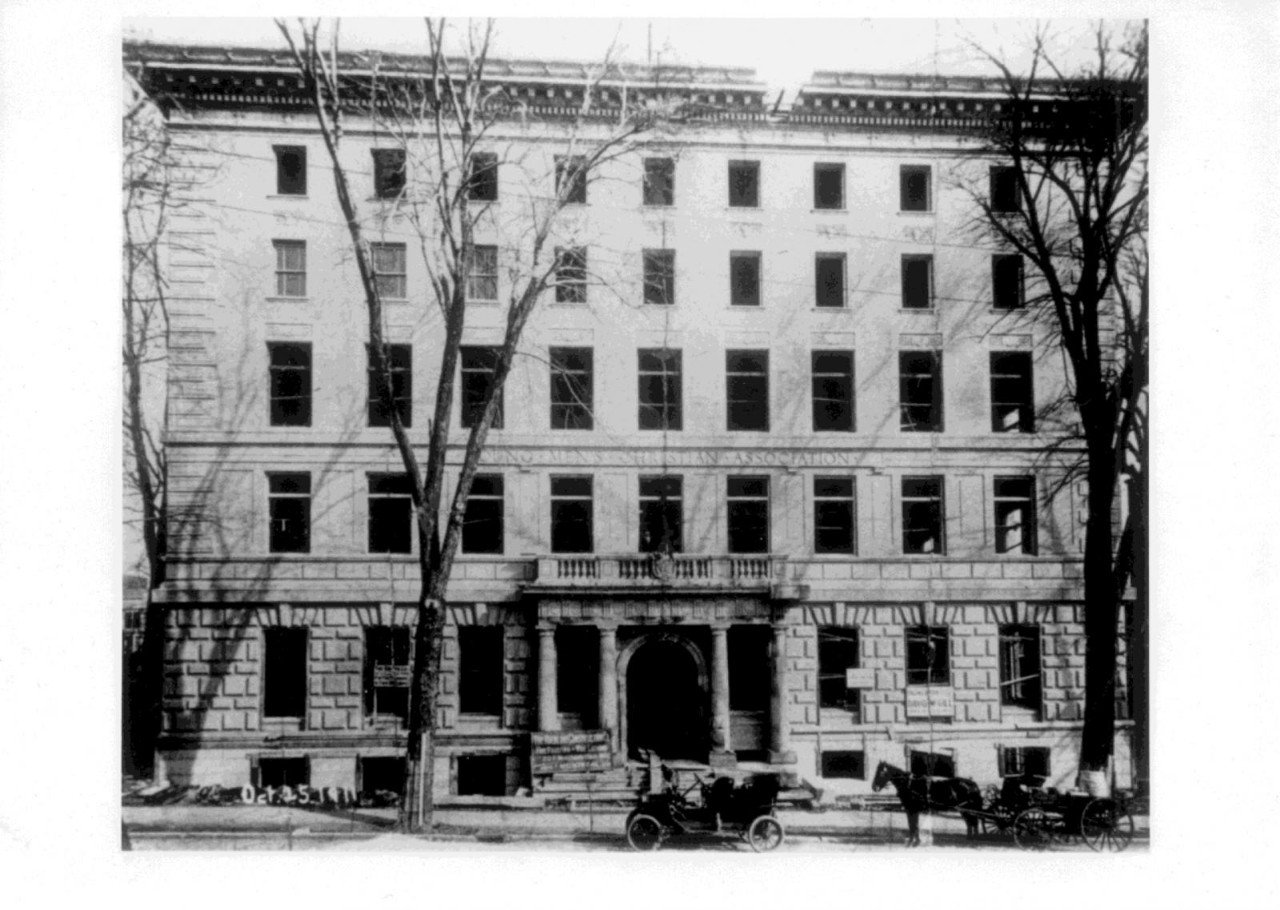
480	669
913	187
1020	666
744	184
1011	395
920	391
478	365
482	775
482	279
291	170
400	363
381	774
571	389
289	512
281	772
749	672
917	282
932	764
659	181
577	671
291	268
1015	499
571	274
1005	195
747	387
389	270
482	526
290	376
838	651
284	672
571	527
1006	281
922	515
833	405
390	513
573	170
828	186
386	672
661	514
388	173
828	273
483	183
660	389
748	511
833	511
660	276
1024	761
928	656
846	764
744	279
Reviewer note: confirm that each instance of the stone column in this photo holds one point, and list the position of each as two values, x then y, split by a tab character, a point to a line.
721	751
548	710
779	736
608	683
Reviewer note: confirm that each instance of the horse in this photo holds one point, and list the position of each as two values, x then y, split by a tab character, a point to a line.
930	794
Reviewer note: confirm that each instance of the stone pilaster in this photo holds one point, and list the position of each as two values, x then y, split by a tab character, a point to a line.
779	736
548	709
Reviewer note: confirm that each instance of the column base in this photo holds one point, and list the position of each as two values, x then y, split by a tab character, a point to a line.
782	758
722	758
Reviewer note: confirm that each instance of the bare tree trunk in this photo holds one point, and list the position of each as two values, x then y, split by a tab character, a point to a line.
1100	615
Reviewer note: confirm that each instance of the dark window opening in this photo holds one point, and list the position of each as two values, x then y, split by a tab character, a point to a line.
1011	393
482	524
571	515
659	181
289	508
1020	685
382	775
922	515
284	772
662	514
390	513
388	173
660	277
284	672
928	656
1024	761
747	390
744	184
828	186
478	365
1006	281
833	404
1015	519
577	673
917	282
571	274
573	170
828	272
291	170
660	389
389	270
482	775
291	268
571	389
846	765
932	764
482	278
833	511
748	513
744	279
838	652
480	669
920	391
483	183
750	667
386	673
290	375
400	364
1005	195
913	186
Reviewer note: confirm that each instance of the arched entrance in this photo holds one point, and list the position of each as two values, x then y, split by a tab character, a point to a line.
666	699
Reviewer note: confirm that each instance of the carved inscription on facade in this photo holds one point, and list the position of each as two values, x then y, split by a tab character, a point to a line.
656	458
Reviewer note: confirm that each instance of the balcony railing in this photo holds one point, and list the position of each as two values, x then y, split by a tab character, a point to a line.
660	571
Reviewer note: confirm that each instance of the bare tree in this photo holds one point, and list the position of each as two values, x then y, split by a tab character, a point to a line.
1077	146
442	116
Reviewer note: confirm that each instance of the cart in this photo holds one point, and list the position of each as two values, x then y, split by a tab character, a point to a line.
1039	818
713	808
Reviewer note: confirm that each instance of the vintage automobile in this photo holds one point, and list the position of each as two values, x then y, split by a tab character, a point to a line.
712	807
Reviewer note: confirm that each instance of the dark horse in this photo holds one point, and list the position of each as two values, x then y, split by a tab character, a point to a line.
930	794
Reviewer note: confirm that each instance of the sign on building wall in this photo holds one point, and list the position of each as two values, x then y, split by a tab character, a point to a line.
386	676
859	678
931	701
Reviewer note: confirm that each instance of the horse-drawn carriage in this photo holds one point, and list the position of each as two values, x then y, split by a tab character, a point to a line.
1037	817
723	806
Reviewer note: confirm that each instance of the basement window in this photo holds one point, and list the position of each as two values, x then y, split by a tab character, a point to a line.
844	764
932	764
385	774
482	775
283	772
1024	761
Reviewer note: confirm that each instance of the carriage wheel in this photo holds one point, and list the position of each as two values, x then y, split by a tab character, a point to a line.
644	832
1032	830
1105	825
765	834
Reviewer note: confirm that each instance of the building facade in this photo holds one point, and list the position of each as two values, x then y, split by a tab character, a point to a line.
773	480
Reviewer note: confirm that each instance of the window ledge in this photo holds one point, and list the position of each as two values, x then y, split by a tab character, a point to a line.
483	302
273	298
745	307
919	310
302	196
832	309
657	206
829	211
917	213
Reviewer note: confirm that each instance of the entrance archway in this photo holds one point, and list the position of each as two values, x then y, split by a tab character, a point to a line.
666	699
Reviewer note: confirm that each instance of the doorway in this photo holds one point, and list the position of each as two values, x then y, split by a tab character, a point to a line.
666	702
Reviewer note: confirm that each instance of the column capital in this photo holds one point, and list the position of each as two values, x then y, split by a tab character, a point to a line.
546	627
721	626
607	625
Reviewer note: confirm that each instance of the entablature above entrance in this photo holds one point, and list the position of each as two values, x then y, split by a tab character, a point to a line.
591	574
613	611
